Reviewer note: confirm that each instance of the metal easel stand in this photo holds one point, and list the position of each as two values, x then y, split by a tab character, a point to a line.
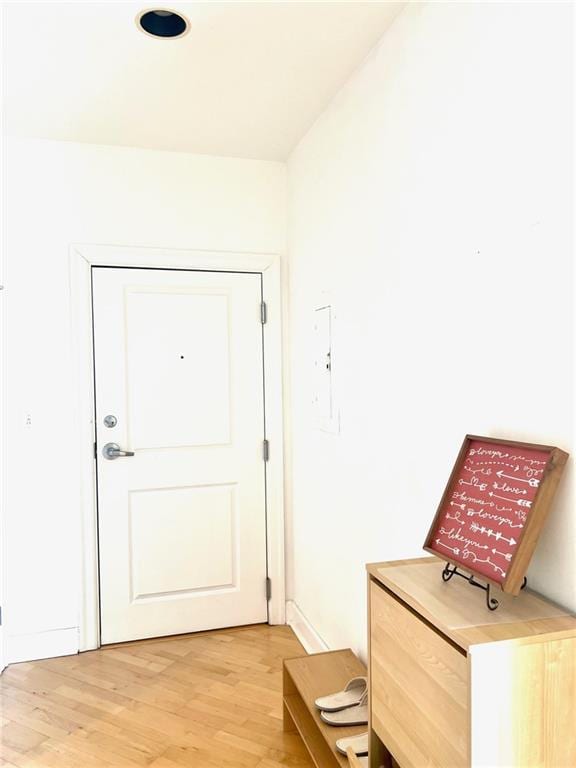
491	602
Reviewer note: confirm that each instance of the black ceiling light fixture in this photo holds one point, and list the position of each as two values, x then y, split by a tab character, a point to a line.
161	22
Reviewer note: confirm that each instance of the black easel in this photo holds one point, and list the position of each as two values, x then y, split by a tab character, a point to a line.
491	602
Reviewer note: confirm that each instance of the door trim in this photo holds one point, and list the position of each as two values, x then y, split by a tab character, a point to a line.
82	258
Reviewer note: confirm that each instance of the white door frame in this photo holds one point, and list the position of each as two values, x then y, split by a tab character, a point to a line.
82	259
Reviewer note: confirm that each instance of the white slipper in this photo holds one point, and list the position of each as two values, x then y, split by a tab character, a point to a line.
357	715
358	744
352	694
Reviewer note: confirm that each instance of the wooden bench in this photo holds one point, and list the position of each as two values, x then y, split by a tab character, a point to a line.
305	679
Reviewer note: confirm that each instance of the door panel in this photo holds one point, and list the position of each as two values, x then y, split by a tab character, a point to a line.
182	528
201	558
186	356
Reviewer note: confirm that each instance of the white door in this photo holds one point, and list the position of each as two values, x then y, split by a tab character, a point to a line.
179	383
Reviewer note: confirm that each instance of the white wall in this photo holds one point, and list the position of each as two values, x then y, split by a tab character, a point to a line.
432	200
57	194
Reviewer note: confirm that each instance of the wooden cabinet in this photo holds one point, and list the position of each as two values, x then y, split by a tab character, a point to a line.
453	685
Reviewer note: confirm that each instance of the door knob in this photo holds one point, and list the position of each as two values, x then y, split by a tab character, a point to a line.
113	451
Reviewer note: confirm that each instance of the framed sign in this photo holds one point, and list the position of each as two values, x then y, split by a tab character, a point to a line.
494	507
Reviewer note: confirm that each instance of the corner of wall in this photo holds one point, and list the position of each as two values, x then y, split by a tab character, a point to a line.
303	630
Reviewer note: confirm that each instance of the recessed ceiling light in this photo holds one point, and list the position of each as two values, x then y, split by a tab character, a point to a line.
161	22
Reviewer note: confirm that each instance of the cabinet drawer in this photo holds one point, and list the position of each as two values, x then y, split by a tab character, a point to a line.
419	687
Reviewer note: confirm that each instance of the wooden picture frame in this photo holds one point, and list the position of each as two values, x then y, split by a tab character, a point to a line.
494	508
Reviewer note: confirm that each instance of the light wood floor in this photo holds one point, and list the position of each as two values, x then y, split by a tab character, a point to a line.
212	699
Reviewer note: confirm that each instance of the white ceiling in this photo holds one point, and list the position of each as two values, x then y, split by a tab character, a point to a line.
248	79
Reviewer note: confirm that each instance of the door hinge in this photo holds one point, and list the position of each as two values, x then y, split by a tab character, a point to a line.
95	451
265	450
263	312
268	588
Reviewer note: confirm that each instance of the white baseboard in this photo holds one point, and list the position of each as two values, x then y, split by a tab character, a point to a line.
303	630
41	645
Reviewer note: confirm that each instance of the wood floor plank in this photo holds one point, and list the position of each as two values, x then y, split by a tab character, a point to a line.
209	700
20	738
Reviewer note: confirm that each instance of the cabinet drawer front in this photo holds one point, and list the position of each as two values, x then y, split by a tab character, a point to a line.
419	688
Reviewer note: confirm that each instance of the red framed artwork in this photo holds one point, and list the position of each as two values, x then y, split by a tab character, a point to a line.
494	507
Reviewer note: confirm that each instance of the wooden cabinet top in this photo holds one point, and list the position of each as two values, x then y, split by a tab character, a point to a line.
459	611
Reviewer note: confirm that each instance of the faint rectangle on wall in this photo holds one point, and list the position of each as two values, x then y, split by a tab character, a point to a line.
326	416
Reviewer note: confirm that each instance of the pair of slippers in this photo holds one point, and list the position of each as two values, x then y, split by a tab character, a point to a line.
346	708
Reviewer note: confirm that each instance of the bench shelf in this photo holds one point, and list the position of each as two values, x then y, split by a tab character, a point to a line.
305	679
